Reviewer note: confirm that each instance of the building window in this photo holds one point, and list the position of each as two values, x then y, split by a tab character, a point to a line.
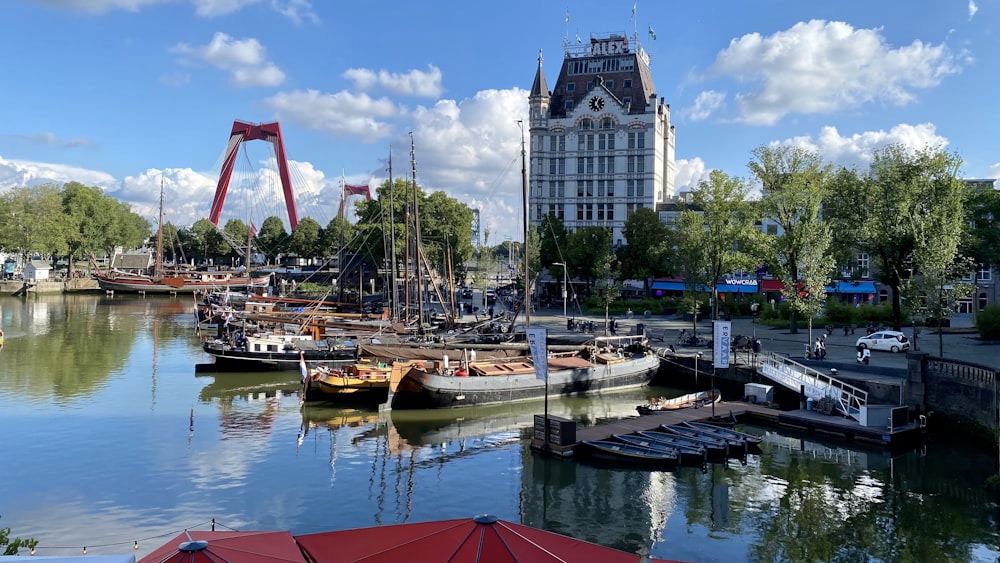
607	123
640	190
629	188
627	83
590	212
561	189
636	164
627	101
579	212
570	86
562	143
585	142
611	188
552	189
590	85
606	141
600	212
579	188
864	262
982	301
586	123
772	229
637	140
611	212
569	104
984	274
610	84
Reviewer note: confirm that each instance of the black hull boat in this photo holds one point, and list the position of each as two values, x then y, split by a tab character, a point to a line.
687	454
621	452
444	385
689	401
228	357
714	448
733	436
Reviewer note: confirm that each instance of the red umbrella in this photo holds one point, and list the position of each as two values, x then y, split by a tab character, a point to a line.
483	539
217	547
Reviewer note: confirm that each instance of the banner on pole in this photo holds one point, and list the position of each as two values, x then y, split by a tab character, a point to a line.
721	343
537	343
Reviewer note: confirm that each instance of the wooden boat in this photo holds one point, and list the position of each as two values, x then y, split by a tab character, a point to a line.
707	437
690	450
622	452
363	381
685	453
689	401
276	350
445	385
178	282
727	433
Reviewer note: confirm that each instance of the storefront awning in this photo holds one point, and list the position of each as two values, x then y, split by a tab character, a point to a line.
668	286
851	287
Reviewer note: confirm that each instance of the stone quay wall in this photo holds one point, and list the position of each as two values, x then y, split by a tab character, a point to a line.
963	391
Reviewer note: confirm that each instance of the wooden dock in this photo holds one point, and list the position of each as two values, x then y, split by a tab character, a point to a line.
810	421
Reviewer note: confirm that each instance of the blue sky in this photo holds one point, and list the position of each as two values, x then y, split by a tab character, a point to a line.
124	94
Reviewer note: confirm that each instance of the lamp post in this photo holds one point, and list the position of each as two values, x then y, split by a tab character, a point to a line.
565	290
753	317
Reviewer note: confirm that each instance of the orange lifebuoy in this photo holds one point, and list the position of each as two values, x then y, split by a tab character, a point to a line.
461	372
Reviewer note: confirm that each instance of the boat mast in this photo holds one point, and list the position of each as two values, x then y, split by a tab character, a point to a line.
394	296
159	237
340	247
524	195
416	239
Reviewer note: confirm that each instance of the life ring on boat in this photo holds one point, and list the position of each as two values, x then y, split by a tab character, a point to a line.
461	372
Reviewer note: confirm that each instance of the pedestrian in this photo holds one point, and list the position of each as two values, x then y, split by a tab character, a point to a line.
818	350
822	347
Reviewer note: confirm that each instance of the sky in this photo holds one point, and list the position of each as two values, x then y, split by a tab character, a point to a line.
138	95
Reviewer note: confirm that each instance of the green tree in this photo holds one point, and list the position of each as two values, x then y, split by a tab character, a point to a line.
982	208
206	240
648	247
552	240
903	191
339	232
718	239
589	253
793	184
306	238
272	239
35	222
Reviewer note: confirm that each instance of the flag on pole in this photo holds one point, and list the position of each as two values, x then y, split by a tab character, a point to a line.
652	33
634	5
539	351
567	16
302	367
578	40
253	229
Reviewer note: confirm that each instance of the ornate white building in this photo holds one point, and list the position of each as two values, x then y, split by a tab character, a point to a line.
602	145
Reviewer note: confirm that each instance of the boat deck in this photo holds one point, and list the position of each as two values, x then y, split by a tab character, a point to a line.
810	421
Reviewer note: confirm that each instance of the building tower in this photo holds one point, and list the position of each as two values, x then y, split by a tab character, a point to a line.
602	145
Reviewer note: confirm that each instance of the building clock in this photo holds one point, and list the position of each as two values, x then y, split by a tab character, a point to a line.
596	103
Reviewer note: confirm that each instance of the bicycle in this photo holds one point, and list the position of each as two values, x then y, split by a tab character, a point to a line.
686	338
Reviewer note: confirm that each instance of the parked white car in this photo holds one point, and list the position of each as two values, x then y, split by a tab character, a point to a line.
890	340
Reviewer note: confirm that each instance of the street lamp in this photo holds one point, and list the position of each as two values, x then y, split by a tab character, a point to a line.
753	317
564	288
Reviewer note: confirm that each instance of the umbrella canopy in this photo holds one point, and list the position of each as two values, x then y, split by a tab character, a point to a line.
217	547
467	540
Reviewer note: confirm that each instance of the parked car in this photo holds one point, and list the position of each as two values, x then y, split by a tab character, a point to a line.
890	340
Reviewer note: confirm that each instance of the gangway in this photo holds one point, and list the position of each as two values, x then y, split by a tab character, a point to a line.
816	384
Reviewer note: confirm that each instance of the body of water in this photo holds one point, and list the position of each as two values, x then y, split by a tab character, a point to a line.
110	438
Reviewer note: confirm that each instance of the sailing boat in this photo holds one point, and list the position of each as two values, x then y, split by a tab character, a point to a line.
133	278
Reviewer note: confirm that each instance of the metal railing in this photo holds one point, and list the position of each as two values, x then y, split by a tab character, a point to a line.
817	385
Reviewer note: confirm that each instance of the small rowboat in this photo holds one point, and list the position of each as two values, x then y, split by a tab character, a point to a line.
629	453
685	453
690	450
711	442
689	401
727	433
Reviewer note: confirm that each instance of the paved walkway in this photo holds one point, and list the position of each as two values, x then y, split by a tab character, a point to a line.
960	344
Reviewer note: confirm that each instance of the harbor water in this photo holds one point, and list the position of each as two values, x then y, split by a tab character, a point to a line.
112	441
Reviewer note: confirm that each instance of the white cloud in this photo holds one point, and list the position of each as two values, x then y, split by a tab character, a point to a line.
343	114
706	103
295	10
52	140
855	151
689	173
17	173
973	8
413	83
214	8
822	67
472	146
244	59
994	171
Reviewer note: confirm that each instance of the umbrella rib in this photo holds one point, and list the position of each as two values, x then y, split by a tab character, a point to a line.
525	538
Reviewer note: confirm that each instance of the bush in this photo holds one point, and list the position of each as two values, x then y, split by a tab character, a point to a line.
988	323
